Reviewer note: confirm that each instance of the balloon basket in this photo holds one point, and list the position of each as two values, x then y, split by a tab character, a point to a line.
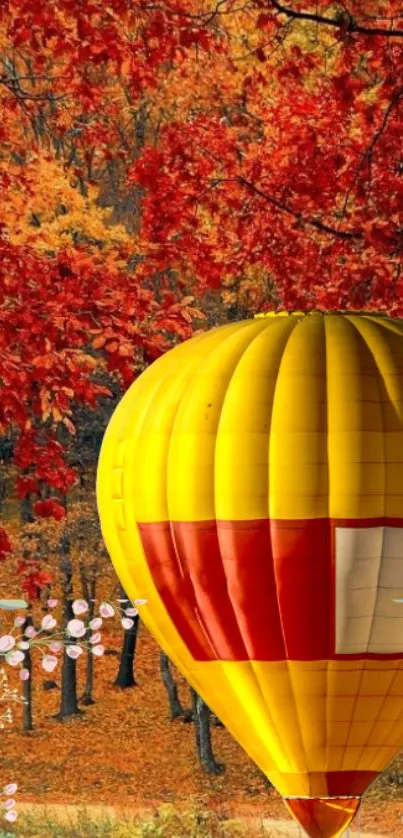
323	817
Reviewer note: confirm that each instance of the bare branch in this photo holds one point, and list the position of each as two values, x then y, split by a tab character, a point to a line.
310	222
367	155
343	21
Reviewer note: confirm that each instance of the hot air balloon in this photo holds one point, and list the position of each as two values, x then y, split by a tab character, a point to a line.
250	488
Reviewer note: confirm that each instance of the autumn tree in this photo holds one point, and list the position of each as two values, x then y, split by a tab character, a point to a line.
73	309
292	171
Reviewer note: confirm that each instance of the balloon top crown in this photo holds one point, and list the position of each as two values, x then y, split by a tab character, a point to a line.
324	312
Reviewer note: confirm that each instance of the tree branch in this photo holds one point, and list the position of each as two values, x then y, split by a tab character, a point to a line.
367	154
310	222
343	21
13	87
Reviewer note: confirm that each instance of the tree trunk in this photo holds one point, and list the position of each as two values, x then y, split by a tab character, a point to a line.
46	490
2	488
203	735
86	697
26	509
266	782
27	720
89	589
175	708
68	705
125	677
395	777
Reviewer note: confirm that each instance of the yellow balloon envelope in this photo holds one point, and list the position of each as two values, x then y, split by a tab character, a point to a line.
250	488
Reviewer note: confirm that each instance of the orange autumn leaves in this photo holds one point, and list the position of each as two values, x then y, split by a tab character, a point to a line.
72	310
153	152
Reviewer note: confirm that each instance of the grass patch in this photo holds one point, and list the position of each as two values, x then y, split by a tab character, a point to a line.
164	823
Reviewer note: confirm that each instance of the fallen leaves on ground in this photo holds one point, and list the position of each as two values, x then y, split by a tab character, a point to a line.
124	752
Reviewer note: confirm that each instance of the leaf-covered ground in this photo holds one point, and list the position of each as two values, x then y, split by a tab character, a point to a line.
125	752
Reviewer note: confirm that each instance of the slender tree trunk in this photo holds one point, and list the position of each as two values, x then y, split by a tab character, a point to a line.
125	677
396	777
203	735
89	589
175	707
68	705
46	491
2	487
26	510
86	697
215	721
27	719
266	782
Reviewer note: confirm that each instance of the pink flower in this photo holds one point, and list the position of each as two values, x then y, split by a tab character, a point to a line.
131	612
9	804
51	603
76	628
24	674
10	789
30	631
14	658
49	662
74	652
80	606
7	641
56	646
11	815
127	623
23	644
48	622
106	610
98	650
95	638
19	621
95	624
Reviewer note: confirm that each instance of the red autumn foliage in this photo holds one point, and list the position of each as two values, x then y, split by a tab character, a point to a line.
268	142
297	171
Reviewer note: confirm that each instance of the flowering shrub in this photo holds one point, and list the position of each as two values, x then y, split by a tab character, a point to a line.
15	644
22	638
8	805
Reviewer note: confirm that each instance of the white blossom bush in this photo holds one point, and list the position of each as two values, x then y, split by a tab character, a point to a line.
19	640
75	638
8	805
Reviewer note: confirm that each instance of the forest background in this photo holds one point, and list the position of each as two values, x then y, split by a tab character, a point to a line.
164	167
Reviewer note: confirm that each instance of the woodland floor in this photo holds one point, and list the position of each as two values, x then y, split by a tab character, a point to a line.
124	752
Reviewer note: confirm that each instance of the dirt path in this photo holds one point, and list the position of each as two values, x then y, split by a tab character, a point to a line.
66	813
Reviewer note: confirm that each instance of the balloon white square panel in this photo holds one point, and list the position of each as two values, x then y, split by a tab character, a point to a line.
369	576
